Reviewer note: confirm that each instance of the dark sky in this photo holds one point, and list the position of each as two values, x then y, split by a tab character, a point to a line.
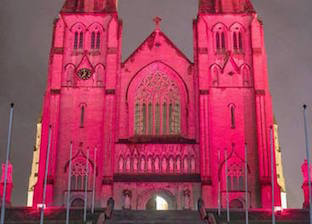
25	38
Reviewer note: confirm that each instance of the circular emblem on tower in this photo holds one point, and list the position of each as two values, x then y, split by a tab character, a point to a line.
84	73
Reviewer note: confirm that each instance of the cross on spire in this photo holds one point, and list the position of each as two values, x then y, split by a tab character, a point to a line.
157	21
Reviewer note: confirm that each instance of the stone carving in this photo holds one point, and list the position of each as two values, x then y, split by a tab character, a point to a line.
157	159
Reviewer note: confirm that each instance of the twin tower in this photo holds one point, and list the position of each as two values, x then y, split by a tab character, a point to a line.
157	130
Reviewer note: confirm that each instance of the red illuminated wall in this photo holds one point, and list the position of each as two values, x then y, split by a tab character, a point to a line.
160	122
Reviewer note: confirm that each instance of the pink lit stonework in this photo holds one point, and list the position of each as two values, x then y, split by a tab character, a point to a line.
160	122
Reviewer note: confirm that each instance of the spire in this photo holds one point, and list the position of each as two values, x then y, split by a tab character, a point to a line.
90	6
225	6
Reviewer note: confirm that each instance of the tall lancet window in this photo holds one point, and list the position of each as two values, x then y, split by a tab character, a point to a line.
220	41
232	114
159	99
219	33
237	31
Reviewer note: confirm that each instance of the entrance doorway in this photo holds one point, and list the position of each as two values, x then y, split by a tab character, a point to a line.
157	203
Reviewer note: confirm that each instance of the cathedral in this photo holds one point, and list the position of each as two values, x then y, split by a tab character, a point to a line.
158	130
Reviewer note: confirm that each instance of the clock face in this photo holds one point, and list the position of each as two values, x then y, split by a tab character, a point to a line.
84	73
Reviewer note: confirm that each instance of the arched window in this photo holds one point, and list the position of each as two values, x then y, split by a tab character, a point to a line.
162	97
76	40
81	40
82	114
237	31
220	41
237	41
98	40
219	33
232	111
92	40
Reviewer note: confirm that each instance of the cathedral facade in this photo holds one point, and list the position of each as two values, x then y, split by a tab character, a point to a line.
157	125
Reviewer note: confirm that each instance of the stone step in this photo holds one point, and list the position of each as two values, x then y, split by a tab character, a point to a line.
155	217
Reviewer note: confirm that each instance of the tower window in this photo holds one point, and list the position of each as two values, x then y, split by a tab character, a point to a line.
98	40
150	119
76	40
237	41
137	119
81	40
232	117
82	113
92	40
164	119
235	178
220	41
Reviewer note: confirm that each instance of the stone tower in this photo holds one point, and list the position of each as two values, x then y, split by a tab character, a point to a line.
163	127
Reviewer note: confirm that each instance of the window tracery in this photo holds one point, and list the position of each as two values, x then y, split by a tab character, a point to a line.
235	178
157	106
79	174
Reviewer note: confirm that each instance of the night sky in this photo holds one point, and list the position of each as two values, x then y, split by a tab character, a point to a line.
25	39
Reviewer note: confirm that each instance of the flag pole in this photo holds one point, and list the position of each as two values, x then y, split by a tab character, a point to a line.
272	174
86	188
45	177
219	186
7	163
69	182
246	184
93	186
226	187
308	157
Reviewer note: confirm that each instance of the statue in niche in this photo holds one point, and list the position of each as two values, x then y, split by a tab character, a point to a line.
185	165
193	166
171	168
187	199
157	164
121	165
164	165
178	165
149	164
135	164
142	164
128	164
127	195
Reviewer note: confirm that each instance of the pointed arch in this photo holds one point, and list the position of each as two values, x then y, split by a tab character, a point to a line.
100	75
215	71
219	31
153	89
245	71
69	74
238	35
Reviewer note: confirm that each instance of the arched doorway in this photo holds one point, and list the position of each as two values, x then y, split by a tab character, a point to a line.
77	203
236	203
157	203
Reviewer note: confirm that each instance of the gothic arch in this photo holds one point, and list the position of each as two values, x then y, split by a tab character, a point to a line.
78	27
100	77
94	26
79	156
145	196
69	74
172	72
220	38
237	36
238	25
215	71
234	161
157	99
245	71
